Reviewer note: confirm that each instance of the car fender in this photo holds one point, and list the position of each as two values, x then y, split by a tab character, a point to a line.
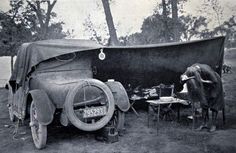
44	107
120	95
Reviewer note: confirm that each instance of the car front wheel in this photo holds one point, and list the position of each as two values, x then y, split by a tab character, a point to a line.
10	106
11	115
39	131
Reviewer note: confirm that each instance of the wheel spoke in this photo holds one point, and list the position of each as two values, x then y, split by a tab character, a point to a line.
39	131
79	105
96	101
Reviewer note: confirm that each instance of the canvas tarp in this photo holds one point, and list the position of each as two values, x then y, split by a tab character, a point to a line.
144	64
31	54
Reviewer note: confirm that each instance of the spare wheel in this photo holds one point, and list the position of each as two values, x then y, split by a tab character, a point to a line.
89	105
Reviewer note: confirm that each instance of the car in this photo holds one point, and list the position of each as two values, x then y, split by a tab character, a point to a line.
57	76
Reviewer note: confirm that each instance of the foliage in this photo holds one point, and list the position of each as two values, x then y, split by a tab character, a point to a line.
228	29
154	30
156	27
109	36
192	26
41	20
161	27
214	12
214	9
93	31
28	21
12	34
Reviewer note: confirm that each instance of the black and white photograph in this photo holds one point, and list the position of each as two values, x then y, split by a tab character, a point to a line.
117	76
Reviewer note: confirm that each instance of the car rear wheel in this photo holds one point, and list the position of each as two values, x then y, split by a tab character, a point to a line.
118	120
90	105
39	131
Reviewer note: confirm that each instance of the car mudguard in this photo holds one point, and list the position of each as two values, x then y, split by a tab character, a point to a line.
120	95
44	107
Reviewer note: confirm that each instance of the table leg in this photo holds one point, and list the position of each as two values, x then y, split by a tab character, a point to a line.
178	112
158	116
193	114
148	114
135	111
131	106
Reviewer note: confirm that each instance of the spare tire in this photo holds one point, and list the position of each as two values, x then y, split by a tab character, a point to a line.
89	105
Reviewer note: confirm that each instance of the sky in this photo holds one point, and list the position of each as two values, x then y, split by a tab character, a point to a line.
128	15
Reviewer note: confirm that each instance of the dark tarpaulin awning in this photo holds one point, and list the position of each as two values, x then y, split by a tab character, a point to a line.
143	64
150	65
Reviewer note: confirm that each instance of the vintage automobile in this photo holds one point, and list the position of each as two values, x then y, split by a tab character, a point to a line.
85	82
58	76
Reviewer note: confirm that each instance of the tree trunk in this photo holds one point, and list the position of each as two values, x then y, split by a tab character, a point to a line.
164	14
44	23
110	24
48	16
174	8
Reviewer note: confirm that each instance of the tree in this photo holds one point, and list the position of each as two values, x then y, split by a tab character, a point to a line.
43	16
12	34
110	23
212	10
93	30
164	14
171	9
37	16
228	29
218	10
153	30
192	26
174	7
109	36
27	21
